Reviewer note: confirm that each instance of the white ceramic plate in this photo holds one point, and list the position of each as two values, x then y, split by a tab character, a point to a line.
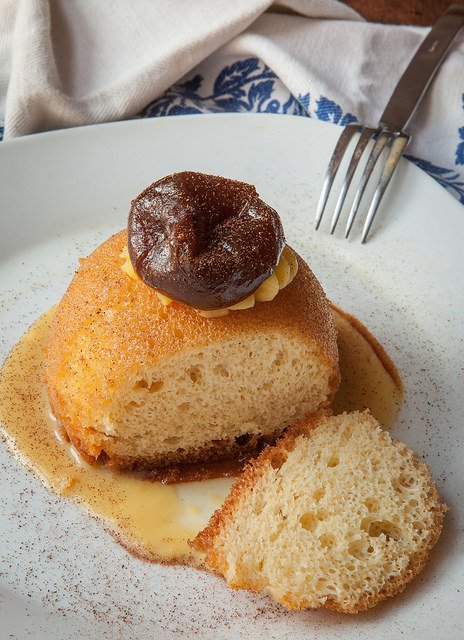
62	193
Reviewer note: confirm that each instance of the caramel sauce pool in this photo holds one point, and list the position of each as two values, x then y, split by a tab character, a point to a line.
151	519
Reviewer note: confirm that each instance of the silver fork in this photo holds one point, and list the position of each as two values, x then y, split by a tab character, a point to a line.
389	133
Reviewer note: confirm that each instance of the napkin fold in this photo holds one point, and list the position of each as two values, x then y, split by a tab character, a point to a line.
64	64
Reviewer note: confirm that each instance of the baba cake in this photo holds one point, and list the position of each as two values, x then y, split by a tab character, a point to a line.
141	380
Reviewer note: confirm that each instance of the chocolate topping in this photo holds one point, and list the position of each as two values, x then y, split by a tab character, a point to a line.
203	240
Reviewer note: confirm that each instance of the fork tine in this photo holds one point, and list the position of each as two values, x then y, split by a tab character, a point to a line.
382	139
366	134
343	141
396	151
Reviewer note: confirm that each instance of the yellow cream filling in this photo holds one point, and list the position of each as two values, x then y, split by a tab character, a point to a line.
283	274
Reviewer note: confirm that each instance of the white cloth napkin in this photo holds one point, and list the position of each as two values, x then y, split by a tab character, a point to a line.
72	62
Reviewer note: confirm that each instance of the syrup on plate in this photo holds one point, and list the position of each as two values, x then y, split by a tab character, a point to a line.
152	519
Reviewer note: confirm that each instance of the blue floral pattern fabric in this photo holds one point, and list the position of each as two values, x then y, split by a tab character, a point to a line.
460	147
248	85
244	86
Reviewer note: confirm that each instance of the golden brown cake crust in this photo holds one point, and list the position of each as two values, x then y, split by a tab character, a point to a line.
274	456
121	313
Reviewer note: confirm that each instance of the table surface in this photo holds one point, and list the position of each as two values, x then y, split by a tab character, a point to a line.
415	12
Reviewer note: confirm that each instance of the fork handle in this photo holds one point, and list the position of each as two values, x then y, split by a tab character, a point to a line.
415	81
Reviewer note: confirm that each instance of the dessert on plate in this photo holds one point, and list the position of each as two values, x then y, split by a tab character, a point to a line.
199	335
196	335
